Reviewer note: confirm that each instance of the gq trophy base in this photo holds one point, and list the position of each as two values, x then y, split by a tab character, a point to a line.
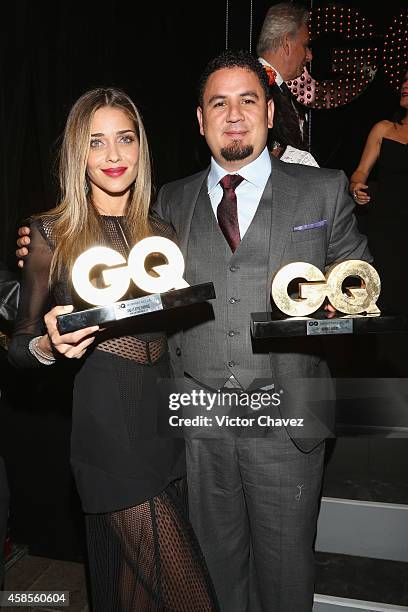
102	315
321	322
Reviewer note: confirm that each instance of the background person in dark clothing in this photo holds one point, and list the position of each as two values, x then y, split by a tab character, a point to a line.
283	50
9	293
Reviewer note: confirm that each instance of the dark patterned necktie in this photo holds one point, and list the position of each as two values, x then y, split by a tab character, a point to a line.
227	213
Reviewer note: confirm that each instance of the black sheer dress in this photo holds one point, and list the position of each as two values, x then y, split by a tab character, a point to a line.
143	554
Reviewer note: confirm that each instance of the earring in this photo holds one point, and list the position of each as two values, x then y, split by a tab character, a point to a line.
86	187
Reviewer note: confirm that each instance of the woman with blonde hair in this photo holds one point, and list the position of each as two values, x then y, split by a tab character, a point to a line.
143	554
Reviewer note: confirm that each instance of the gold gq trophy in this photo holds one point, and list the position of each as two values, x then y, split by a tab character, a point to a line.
166	287
355	309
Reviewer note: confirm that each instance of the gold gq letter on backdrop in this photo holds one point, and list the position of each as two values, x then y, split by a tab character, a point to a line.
313	292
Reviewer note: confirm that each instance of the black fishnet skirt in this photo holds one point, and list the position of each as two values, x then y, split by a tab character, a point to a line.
147	558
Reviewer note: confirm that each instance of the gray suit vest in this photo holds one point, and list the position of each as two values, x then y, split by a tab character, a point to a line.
220	344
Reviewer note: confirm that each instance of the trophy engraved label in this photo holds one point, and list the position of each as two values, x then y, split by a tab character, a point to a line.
168	287
132	308
331	326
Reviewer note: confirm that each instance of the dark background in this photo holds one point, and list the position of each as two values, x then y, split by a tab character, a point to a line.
50	53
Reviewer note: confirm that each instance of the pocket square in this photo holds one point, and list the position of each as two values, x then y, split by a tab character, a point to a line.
300	228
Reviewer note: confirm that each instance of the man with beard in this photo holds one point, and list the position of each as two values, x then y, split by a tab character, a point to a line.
253	492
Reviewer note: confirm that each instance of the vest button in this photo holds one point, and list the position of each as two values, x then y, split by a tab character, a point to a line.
231	364
178	351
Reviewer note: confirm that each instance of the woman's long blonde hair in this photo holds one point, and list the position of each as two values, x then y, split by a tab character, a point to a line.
77	226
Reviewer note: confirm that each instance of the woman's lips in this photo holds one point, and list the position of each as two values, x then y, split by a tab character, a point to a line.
115	172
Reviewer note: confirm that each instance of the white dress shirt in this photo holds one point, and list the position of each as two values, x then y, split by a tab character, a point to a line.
248	193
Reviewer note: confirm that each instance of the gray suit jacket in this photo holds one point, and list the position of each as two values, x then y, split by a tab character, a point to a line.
301	196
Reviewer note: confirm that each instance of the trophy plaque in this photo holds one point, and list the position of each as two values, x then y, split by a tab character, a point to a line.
355	307
167	289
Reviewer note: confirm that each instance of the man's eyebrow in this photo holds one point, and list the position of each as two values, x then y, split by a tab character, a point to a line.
244	94
216	97
252	94
119	132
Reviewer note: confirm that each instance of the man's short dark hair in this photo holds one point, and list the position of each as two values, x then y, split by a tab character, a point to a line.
233	59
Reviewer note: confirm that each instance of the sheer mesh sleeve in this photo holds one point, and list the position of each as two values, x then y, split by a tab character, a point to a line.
162	228
35	299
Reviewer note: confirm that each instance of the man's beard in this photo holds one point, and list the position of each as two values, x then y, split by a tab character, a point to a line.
236	151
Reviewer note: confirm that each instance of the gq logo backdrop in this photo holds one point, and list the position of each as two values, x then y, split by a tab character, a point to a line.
357	49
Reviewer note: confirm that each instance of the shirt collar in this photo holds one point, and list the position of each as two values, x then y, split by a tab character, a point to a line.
278	79
256	172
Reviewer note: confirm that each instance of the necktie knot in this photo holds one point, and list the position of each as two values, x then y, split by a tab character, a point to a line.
231	181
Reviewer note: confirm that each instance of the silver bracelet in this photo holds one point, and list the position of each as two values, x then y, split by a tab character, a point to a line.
38	353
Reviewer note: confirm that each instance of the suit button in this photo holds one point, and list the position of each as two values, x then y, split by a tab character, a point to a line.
231	364
232	300
234	268
231	333
178	351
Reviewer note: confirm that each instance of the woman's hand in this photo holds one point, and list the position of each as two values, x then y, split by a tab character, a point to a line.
358	193
22	242
72	345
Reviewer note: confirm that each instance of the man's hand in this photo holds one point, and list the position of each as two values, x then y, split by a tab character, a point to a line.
22	242
72	345
331	311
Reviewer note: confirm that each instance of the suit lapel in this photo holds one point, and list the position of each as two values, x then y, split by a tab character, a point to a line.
285	200
185	211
